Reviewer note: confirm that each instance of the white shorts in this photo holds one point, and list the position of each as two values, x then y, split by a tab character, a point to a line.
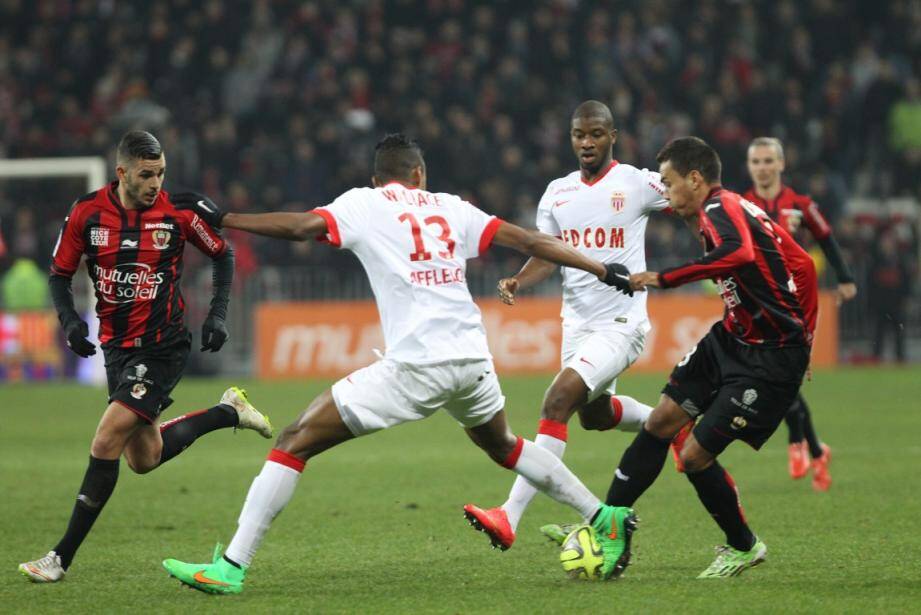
599	356
387	393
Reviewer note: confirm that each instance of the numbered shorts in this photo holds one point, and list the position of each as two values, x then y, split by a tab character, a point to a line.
141	379
599	357
387	393
741	392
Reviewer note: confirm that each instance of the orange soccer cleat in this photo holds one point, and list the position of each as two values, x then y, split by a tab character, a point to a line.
821	477
494	523
798	459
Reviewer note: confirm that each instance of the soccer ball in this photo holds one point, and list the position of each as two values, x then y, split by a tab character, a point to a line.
581	554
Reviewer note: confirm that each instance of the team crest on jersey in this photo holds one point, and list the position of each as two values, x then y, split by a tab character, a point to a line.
617	202
160	239
99	236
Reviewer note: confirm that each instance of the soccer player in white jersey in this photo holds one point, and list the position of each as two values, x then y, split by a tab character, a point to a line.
414	245
601	210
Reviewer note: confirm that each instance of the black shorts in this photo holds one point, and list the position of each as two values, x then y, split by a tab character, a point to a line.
742	391
141	379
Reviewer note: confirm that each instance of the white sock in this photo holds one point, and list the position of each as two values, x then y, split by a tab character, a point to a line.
632	413
548	473
522	491
268	495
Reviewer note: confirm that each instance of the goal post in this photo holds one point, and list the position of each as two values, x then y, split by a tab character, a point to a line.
93	169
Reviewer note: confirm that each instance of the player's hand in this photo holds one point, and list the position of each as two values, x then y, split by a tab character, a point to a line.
206	209
507	289
642	281
618	276
213	334
77	332
846	292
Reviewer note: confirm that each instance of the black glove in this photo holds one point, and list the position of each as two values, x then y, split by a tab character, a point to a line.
206	209
618	276
213	333
76	331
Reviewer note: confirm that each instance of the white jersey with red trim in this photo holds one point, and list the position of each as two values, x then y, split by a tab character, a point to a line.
414	245
605	220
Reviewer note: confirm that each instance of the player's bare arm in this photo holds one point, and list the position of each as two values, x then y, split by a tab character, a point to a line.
545	247
644	280
534	271
294	226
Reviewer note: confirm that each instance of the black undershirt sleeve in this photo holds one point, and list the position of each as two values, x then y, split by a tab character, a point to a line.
221	279
836	259
63	298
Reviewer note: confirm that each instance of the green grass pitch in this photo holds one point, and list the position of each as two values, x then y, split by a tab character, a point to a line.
376	524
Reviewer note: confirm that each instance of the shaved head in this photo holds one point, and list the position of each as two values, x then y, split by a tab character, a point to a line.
593	109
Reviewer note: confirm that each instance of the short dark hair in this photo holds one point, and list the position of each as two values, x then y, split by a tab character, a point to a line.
594	109
692	154
395	156
139	145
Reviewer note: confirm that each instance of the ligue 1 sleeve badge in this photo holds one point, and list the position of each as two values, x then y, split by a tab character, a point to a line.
160	239
617	201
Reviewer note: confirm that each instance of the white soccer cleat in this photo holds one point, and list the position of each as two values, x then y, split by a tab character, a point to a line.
250	418
45	570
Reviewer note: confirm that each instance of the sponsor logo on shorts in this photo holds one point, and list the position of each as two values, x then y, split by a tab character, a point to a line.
139	370
138	391
738	422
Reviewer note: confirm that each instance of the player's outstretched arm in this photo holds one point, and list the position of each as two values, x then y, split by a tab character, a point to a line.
294	226
535	271
547	248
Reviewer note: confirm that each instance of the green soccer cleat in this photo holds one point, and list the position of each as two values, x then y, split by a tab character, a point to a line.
218	577
557	532
731	562
614	527
249	417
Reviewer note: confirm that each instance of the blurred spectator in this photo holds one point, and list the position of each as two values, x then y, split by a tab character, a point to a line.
24	286
890	286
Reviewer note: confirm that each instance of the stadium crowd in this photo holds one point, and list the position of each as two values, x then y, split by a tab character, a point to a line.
270	105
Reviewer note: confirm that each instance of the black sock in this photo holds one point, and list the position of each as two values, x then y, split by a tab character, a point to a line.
179	433
638	469
98	484
794	420
719	496
815	447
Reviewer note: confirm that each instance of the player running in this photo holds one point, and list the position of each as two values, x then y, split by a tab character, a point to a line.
744	374
414	245
601	210
133	238
791	210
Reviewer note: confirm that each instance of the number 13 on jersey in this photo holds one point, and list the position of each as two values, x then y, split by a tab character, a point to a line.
421	254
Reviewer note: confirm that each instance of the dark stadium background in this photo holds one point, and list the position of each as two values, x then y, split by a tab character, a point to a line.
277	105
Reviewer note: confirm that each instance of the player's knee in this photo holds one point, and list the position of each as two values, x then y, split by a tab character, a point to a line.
107	445
695	459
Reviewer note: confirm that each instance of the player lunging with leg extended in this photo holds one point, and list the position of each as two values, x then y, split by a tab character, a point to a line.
601	210
744	374
133	238
414	244
793	211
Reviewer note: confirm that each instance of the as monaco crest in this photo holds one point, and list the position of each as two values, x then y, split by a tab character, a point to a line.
160	239
617	202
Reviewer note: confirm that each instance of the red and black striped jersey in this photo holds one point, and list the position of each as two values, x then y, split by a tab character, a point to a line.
791	210
134	260
766	280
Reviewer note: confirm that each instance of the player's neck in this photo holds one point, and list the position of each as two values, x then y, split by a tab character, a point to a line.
123	198
589	176
769	192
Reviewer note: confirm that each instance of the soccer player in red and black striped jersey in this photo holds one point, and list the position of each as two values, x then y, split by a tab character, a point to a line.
792	211
133	238
744	374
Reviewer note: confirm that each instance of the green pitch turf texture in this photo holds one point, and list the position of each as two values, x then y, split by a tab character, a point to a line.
376	525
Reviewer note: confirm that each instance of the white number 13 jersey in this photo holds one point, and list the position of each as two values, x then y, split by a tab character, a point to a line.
414	246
